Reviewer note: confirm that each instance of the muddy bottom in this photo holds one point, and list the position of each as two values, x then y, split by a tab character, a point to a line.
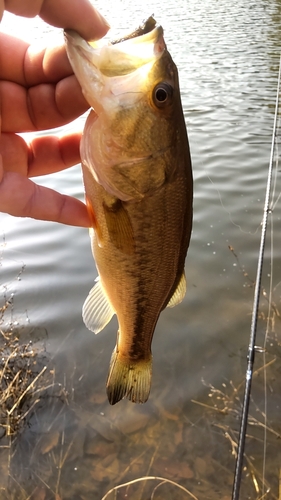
61	440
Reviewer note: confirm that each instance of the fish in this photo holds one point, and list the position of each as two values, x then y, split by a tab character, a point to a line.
137	176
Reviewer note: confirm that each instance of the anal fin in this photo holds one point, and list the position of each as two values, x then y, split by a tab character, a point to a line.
97	310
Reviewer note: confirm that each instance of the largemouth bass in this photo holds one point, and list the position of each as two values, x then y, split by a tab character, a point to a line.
138	184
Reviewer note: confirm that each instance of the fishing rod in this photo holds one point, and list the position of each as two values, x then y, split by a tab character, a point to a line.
252	347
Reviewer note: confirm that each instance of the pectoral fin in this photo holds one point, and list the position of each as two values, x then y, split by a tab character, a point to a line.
94	222
97	311
179	293
119	227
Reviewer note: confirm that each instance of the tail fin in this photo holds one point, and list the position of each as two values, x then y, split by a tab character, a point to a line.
128	379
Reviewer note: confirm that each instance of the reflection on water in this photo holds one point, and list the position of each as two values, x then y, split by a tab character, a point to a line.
73	445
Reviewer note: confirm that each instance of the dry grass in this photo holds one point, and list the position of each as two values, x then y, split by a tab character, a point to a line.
160	482
226	403
20	374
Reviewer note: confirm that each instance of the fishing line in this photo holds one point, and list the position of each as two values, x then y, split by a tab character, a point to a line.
252	346
229	213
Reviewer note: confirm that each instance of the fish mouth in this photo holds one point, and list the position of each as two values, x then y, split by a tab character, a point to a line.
119	57
144	29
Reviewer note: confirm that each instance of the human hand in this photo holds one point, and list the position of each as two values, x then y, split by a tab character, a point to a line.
38	91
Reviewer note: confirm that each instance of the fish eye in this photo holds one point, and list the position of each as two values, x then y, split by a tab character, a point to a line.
162	93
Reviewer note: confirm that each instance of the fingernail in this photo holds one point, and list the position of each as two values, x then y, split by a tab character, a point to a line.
104	21
103	28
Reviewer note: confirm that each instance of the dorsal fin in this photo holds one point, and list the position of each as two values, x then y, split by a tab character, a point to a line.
179	293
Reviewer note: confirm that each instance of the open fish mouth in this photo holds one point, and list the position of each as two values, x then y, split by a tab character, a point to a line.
149	25
119	57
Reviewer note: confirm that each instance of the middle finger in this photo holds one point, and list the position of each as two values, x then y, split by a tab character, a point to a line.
40	107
